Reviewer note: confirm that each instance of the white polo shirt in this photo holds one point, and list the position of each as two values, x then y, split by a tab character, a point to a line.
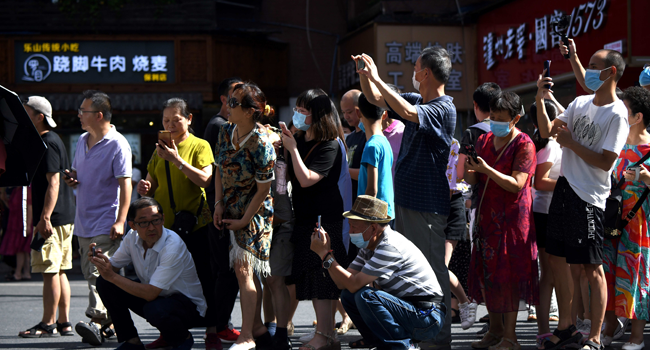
168	265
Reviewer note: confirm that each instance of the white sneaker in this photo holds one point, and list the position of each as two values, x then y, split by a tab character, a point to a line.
467	314
585	328
632	346
579	322
308	337
244	346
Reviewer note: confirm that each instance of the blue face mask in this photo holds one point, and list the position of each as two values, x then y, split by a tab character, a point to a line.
299	121
644	78
592	79
362	127
357	239
500	129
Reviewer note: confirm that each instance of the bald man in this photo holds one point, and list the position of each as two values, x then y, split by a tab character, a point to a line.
356	141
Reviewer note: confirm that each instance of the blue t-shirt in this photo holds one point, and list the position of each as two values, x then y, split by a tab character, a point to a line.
420	181
379	154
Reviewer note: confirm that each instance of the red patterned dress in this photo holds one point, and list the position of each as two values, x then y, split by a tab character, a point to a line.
504	257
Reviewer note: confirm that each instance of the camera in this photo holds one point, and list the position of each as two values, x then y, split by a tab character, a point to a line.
560	25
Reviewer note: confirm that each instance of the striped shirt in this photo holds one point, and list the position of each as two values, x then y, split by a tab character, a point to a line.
400	267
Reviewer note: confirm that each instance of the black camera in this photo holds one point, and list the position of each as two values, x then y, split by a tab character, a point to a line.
560	25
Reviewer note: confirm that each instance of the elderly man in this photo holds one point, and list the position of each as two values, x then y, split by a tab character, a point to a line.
167	293
404	306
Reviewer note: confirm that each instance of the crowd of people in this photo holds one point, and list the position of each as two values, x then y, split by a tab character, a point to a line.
379	214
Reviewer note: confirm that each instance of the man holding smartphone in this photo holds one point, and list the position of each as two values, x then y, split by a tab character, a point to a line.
101	173
53	207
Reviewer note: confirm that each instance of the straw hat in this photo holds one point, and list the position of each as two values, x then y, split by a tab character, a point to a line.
368	208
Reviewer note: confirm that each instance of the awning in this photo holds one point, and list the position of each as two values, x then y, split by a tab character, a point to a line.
123	102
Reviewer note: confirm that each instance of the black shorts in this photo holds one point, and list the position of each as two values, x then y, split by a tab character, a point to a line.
575	227
541	226
456	229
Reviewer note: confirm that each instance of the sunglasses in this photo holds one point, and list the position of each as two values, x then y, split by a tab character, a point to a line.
233	103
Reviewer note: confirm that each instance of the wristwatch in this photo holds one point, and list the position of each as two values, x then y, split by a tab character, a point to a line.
328	263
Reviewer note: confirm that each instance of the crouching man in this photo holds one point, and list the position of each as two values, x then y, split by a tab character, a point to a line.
167	293
404	305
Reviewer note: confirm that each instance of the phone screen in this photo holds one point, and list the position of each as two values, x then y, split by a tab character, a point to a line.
361	64
166	137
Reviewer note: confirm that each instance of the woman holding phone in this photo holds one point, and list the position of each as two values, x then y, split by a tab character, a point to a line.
504	259
183	162
243	203
314	167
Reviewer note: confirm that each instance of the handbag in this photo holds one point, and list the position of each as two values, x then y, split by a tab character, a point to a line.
184	221
614	221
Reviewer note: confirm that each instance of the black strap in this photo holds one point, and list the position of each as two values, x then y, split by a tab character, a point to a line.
626	220
171	192
622	180
169	186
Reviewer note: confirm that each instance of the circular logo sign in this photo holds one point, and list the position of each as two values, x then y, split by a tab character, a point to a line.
37	68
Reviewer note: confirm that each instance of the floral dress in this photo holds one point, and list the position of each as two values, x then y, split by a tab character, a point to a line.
626	257
504	259
241	167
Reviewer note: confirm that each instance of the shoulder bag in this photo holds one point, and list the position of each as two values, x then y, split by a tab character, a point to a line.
614	221
184	221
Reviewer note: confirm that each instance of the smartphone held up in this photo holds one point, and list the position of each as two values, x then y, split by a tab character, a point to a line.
165	137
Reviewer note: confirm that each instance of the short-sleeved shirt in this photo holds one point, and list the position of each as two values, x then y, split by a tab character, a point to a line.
551	153
167	265
98	193
378	154
400	267
242	166
394	133
54	161
356	141
323	198
187	194
420	181
596	128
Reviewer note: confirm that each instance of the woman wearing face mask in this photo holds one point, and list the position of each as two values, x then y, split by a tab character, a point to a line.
315	162
625	257
188	160
504	260
243	203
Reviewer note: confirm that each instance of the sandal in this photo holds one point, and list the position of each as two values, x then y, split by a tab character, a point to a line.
44	329
501	346
344	327
542	338
590	345
489	339
61	326
361	344
566	336
107	331
332	343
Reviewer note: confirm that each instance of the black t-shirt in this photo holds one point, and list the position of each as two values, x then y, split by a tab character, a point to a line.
211	135
356	141
54	160
322	198
470	136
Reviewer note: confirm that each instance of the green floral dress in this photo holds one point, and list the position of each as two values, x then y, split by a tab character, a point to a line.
241	167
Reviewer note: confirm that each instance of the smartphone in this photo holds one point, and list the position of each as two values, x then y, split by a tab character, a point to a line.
94	252
361	64
547	66
165	137
318	226
65	174
471	152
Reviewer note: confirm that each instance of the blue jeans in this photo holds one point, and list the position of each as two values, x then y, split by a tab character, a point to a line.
388	321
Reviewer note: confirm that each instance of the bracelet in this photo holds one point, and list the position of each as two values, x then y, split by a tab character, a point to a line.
219	201
328	253
180	167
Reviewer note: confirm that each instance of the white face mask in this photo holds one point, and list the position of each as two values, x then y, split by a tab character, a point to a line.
416	84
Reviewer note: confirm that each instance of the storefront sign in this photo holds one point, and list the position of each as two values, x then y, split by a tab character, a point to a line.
94	62
584	18
616	46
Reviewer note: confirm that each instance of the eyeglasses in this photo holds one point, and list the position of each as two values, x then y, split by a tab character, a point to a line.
233	103
145	224
81	112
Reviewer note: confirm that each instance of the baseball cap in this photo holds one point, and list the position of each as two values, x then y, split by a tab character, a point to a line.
41	105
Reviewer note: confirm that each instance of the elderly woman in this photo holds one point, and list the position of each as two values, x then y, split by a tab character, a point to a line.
504	260
184	166
243	203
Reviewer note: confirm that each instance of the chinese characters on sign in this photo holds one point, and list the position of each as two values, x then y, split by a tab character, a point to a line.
93	61
585	17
